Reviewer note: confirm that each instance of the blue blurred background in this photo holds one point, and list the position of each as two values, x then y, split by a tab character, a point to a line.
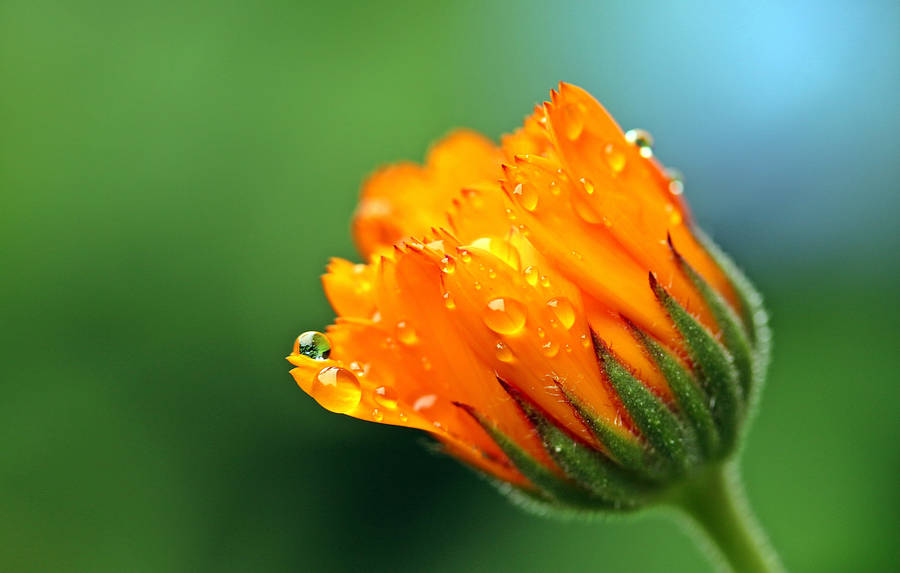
175	175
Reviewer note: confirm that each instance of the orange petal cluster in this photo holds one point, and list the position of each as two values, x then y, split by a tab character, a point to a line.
499	261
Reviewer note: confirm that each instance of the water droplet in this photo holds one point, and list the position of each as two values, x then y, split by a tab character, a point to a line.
377	415
527	196
510	214
541	334
585	341
492	273
545	281
465	255
531	275
587	185
402	416
448	265
615	158
581	202
550	349
426	364
573	120
477	285
503	250
504	315
313	344
423	402
564	311
406	333
386	397
504	354
674	214
449	304
642	139
336	389
554	188
568	348
676	181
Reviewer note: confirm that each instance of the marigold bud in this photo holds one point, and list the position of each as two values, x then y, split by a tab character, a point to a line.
547	309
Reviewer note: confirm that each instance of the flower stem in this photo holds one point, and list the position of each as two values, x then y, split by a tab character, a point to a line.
715	501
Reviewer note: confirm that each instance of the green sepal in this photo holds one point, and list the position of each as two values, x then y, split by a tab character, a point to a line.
551	488
587	466
630	453
714	365
658	424
691	398
734	333
752	312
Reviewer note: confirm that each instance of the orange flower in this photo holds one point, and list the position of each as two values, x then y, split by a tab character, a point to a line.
506	309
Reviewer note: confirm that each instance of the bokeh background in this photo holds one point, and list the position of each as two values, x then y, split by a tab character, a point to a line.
174	176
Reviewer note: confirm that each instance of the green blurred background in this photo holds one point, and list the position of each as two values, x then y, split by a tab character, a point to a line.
175	175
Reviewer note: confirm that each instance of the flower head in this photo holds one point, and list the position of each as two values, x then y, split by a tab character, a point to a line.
546	309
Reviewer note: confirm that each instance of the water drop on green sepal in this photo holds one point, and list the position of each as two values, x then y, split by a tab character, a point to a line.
692	400
658	424
585	465
552	489
628	452
734	333
714	364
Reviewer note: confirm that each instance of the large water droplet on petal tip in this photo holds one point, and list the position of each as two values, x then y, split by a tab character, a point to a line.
531	275
642	139
336	389
504	315
313	344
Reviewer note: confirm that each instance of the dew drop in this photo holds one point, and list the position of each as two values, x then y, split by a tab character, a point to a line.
642	139
313	344
526	195
402	416
386	397
504	315
587	185
585	341
336	389
615	158
449	303
545	281
448	265
406	334
465	255
377	415
531	275
564	311
676	181
573	118
550	349
423	402
504	354
501	249
674	214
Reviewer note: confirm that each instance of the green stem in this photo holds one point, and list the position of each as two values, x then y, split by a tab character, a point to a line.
714	499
